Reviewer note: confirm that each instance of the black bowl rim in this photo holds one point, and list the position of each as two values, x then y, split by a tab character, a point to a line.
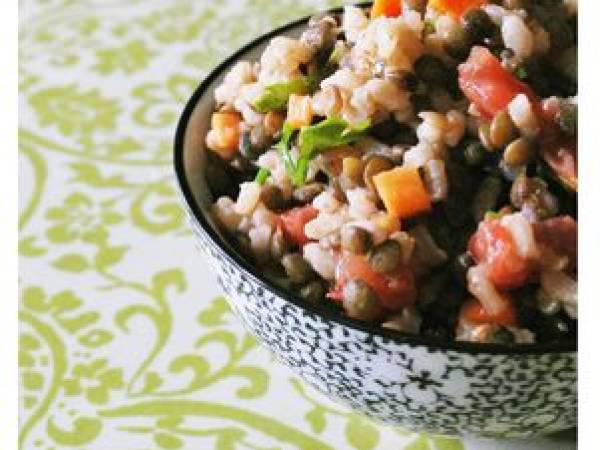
250	271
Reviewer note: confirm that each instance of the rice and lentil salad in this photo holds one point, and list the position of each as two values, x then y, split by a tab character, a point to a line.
412	165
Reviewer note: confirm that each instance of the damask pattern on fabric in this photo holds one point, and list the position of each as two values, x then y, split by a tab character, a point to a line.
125	340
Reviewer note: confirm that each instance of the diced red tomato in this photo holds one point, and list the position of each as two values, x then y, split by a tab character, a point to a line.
292	223
488	85
394	290
491	88
493	245
560	234
473	312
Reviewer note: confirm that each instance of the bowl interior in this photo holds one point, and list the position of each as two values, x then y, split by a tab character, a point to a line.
190	162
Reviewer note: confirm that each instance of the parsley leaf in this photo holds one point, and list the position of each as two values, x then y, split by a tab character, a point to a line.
314	139
429	26
521	73
283	147
275	96
262	175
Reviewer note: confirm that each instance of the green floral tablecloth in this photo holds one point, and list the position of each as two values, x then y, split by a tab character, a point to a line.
125	341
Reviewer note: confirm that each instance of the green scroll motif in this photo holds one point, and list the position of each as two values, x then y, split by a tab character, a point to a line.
75	112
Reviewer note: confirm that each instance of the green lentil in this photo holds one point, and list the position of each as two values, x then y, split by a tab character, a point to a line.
241	163
566	64
478	25
259	139
297	269
432	288
407	80
245	146
513	4
306	193
375	164
243	241
313	292
352	170
567	117
272	197
486	197
219	177
386	130
420	102
518	152
355	239
561	34
457	44
431	70
532	193
385	257
279	245
502	130
483	133
549	328
360	301
475	154
502	336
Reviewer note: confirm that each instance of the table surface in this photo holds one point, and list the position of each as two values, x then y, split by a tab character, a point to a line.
125	340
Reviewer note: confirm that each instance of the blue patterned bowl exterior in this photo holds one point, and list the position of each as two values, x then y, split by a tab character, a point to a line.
445	388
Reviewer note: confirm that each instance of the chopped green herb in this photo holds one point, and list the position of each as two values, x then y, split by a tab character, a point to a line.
336	54
429	26
275	96
521	73
331	132
322	71
262	175
283	147
492	215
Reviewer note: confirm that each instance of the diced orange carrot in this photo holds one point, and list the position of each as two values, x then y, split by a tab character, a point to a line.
224	136
402	192
472	311
388	8
455	8
299	112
